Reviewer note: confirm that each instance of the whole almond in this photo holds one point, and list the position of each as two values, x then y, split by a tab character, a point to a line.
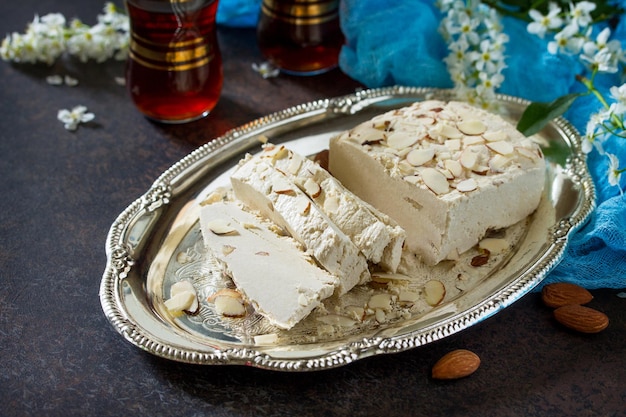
562	293
456	364
582	319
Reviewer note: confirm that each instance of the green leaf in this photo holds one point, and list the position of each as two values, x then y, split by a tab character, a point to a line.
539	114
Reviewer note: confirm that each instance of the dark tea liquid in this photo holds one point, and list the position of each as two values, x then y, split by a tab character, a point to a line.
174	70
299	36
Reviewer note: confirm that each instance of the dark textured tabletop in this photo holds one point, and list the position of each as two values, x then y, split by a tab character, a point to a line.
61	191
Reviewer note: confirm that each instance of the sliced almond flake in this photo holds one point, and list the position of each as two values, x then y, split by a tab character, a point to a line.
426	120
294	166
445	131
481	170
401	140
528	143
312	188
266	339
527	153
185	286
453	144
472	127
495	136
229	306
369	136
406	168
498	162
419	157
181	286
180	302
409	296
281	153
446	173
468	159
214	197
501	147
434	292
473	140
454	167
380	315
467	185
281	185
442	156
402	153
380	301
221	227
435	180
227	292
412	179
304	206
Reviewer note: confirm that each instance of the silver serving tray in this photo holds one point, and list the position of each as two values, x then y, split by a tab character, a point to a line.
156	241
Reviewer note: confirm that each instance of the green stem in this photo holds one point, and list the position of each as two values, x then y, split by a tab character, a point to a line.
588	82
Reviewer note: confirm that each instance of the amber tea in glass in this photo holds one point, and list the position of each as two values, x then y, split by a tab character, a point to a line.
301	37
174	69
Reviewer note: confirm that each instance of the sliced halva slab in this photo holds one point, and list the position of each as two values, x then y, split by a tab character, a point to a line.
374	233
274	274
445	171
260	186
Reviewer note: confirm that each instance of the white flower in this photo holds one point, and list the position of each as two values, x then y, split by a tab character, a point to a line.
463	25
266	69
459	56
48	37
541	24
70	81
72	118
566	41
603	60
54	80
614	174
594	132
476	48
490	80
619	95
580	13
487	57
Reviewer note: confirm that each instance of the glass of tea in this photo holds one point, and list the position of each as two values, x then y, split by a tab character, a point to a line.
300	37
174	68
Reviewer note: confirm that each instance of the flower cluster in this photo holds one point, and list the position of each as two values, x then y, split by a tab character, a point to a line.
572	30
606	124
476	45
572	33
48	37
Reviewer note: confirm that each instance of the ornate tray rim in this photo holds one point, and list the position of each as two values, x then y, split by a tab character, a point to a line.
122	257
